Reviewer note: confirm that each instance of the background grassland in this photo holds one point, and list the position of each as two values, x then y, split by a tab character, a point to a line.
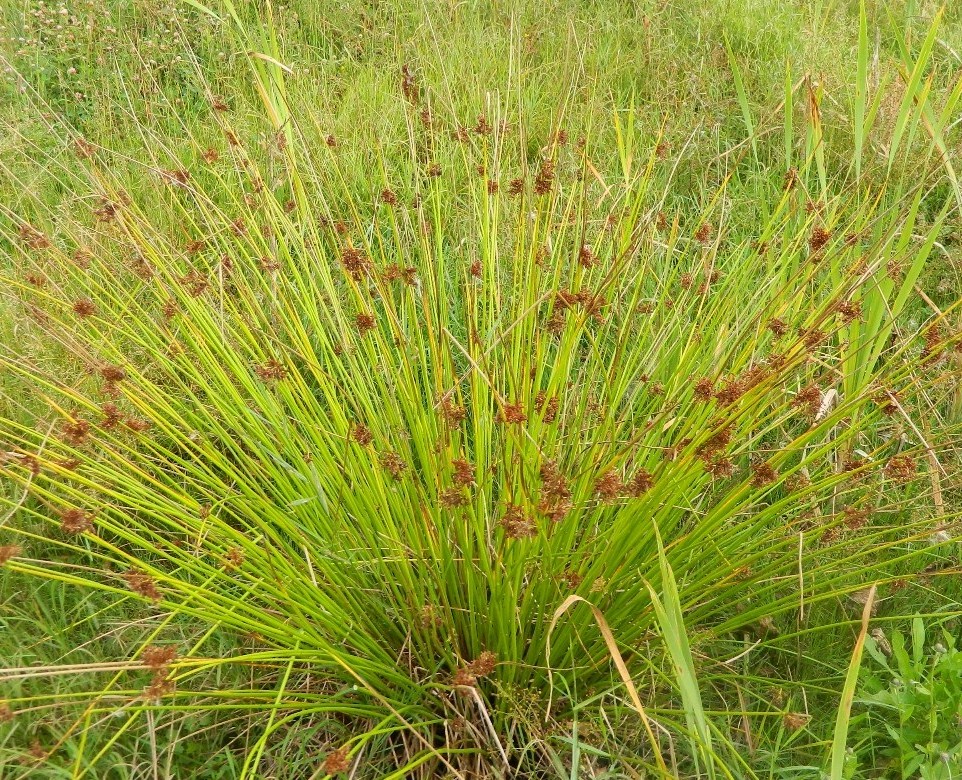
695	90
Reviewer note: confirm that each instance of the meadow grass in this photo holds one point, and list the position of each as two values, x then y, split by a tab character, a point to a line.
471	390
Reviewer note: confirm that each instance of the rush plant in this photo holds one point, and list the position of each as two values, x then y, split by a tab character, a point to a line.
386	435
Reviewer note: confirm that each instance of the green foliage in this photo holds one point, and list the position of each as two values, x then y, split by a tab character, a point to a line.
912	700
345	387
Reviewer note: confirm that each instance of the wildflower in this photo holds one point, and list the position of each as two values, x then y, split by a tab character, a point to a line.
170	309
142	584
555	494
516	186
731	391
476	270
464	678
336	761
238	226
492	186
9	551
74	521
210	155
516	524
812	337
364	322
81	258
547	407
571	579
389	197
178	177
484	664
545	178
269	265
36	751
791	179
272	370
331	141
901	468
136	424
84	307
704	232
107	211
433	170
887	401
715	444
428	617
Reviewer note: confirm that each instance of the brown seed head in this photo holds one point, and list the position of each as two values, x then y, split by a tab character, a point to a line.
763	474
157	657
463	472
142	584
9	551
819	238
365	322
355	262
512	414
361	434
74	521
609	486
516	524
84	307
545	178
393	463
271	371
901	468
337	761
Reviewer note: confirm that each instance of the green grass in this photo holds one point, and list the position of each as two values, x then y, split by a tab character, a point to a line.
360	456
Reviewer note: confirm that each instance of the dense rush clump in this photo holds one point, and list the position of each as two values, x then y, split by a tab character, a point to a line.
387	438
